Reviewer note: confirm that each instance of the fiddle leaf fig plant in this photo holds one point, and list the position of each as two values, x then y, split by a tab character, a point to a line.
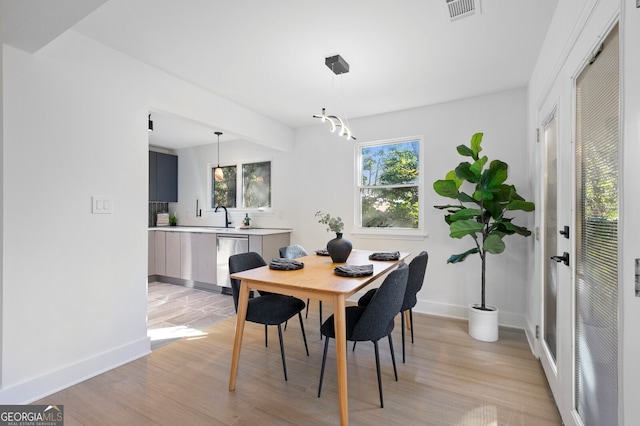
483	203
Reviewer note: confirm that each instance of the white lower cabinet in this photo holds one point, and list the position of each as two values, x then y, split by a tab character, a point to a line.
151	257
160	253
188	255
173	261
206	258
192	256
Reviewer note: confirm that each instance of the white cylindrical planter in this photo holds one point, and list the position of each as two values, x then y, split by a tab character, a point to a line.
483	325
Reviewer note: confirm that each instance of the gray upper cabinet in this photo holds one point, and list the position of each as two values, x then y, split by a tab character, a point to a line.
163	177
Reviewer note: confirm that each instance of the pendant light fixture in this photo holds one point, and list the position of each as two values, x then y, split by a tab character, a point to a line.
217	173
339	66
150	124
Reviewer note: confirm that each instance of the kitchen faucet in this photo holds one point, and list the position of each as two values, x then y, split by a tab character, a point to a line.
227	222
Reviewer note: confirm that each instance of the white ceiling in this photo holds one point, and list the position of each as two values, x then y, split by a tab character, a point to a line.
269	55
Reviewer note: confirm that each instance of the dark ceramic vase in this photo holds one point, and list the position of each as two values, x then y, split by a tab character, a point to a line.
339	248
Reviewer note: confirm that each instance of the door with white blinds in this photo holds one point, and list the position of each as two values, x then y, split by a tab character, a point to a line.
556	354
597	160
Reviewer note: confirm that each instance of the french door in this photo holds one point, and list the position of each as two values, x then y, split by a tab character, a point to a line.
556	328
597	211
579	336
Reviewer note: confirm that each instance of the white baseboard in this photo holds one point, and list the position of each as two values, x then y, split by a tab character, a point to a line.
54	381
506	319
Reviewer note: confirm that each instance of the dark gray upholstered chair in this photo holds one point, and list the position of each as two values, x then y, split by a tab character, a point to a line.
269	308
417	270
293	252
372	322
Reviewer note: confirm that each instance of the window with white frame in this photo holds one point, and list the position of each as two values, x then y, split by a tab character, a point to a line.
389	186
251	189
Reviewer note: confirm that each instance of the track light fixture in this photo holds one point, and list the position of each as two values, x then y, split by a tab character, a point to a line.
150	124
218	173
338	66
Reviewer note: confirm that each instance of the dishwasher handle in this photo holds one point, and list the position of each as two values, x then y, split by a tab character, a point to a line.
232	237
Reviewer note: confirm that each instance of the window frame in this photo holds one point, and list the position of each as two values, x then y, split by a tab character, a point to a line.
239	185
402	233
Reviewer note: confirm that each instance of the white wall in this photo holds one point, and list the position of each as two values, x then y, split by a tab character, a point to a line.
74	283
194	184
319	175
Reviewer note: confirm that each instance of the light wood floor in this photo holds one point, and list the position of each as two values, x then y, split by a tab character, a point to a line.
448	379
174	312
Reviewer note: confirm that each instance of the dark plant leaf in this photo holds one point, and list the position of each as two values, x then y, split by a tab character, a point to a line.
503	193
466	198
482	195
466	213
464	150
450	207
497	173
521	230
505	227
526	206
463	171
494	207
513	195
455	258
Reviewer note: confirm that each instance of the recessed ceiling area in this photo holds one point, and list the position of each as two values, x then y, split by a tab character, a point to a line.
268	56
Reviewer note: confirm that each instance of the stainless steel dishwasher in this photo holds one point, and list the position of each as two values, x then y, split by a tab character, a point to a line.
228	245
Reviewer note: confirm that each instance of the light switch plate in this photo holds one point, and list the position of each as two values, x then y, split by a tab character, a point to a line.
101	204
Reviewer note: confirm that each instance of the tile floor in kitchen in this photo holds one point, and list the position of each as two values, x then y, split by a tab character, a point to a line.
174	312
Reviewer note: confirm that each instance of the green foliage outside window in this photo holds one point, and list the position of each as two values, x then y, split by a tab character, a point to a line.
224	191
389	185
256	184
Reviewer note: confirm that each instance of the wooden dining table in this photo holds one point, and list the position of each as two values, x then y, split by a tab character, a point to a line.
316	280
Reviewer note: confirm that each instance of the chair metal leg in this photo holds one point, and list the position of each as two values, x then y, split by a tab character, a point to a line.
393	357
324	361
266	342
354	346
402	327
411	321
284	364
320	315
304	336
375	346
306	315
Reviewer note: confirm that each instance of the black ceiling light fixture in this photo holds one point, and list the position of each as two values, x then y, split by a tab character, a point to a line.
218	174
338	66
150	124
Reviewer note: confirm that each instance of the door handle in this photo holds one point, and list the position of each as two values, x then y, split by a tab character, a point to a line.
565	232
564	258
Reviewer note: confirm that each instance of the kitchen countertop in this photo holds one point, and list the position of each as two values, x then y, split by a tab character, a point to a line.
220	230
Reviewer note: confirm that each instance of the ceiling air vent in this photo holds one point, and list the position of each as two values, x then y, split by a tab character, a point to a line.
459	9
